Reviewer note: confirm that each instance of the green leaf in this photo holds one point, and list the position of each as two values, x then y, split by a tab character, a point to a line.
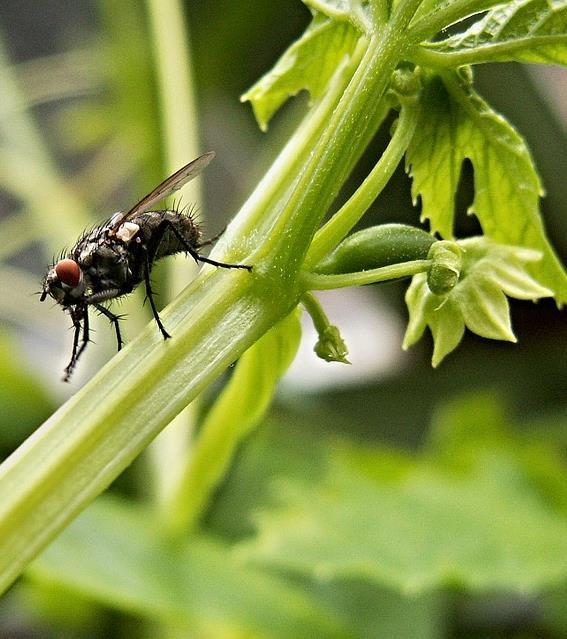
434	16
249	393
522	30
309	63
481	525
117	554
23	401
372	611
478	301
339	9
456	124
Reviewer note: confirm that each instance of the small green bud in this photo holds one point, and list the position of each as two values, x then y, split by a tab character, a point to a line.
406	84
446	269
375	247
331	346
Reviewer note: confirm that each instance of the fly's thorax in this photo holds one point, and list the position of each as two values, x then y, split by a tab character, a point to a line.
105	261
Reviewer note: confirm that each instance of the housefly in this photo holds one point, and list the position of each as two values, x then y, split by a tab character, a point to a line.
112	259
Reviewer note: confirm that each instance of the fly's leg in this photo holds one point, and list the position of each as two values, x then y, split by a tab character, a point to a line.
77	316
114	320
211	240
150	296
151	253
199	258
71	364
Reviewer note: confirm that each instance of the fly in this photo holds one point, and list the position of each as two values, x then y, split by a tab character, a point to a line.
113	258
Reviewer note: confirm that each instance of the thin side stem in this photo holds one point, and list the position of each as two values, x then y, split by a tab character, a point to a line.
318	282
316	312
352	211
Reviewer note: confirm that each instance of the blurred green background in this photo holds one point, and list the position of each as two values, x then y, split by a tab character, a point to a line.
80	137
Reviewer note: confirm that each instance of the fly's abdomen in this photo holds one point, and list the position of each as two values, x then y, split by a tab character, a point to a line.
171	231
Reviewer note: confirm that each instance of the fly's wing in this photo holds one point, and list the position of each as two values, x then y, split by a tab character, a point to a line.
167	187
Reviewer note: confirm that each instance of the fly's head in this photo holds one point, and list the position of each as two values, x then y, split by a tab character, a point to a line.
64	282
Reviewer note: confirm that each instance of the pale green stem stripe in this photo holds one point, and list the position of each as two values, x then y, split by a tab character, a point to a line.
318	282
168	454
27	169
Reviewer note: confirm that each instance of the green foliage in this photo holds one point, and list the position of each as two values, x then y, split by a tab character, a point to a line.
523	30
308	64
23	401
118	554
363	537
507	187
464	514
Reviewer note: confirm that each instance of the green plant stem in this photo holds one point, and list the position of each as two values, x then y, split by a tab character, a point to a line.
352	211
316	312
347	130
237	410
100	430
319	282
168	30
24	153
280	178
91	439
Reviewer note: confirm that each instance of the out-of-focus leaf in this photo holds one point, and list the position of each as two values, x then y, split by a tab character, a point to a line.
483	525
466	425
250	390
554	610
522	30
116	554
280	447
371	611
455	124
236	412
308	64
23	402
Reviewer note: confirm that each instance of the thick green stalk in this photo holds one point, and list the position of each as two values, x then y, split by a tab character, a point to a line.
342	141
79	451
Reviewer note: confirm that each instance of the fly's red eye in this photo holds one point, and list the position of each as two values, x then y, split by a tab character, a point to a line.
68	272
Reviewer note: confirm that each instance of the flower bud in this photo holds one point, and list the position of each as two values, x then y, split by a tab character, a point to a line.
445	271
375	247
